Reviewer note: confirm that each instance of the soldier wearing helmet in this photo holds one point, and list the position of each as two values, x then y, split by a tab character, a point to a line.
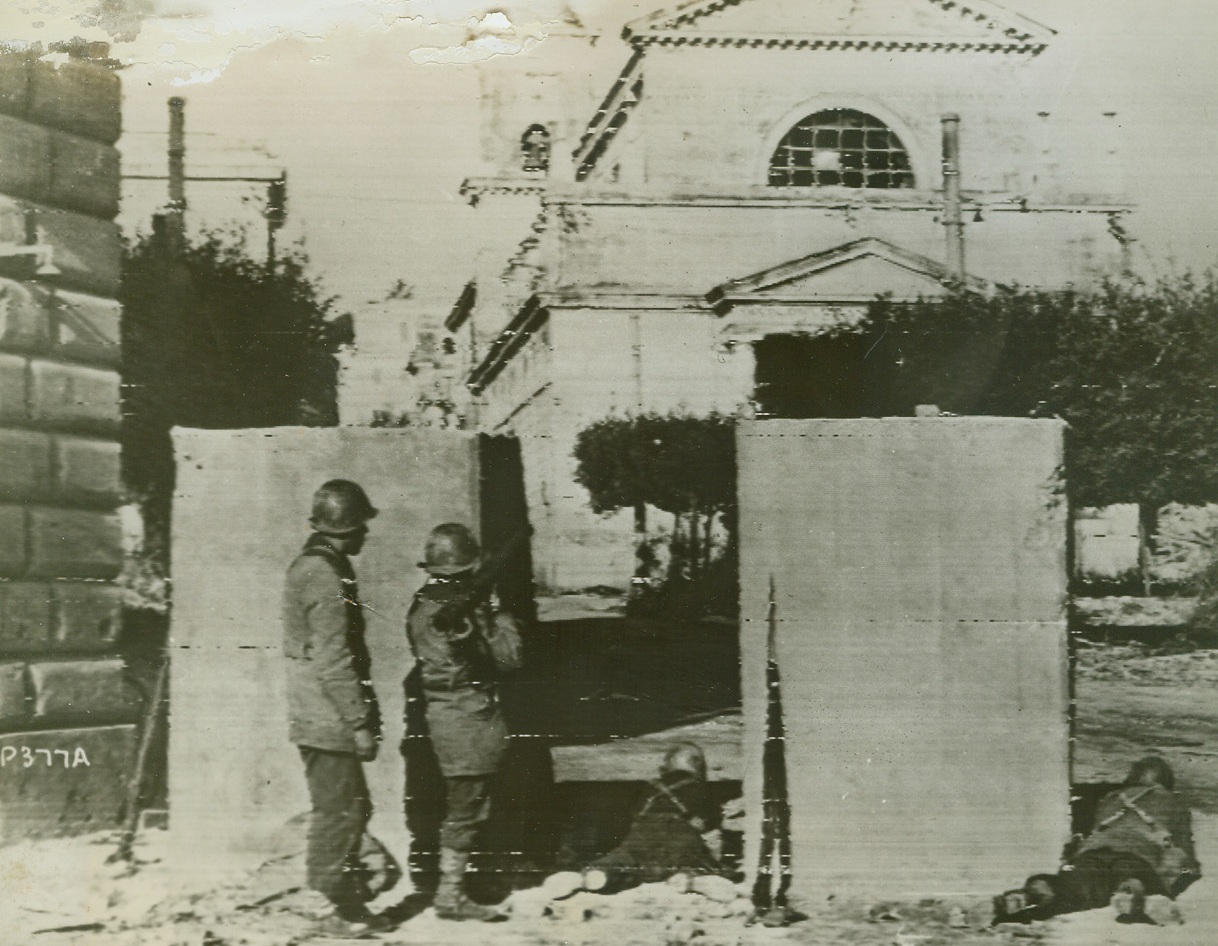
334	718
453	683
668	836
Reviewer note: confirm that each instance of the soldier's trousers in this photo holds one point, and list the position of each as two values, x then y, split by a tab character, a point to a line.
341	808
467	806
1095	875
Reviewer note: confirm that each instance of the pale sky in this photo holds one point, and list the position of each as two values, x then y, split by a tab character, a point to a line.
377	138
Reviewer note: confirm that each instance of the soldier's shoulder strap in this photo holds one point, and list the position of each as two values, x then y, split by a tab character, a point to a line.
337	560
1129	804
660	790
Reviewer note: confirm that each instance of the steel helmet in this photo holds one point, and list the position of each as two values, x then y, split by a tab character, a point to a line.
686	757
340	507
451	548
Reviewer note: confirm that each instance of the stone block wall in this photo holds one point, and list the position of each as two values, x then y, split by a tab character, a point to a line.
911	573
66	717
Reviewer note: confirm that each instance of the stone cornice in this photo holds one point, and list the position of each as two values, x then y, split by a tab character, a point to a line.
881	44
841	199
1019	33
475	188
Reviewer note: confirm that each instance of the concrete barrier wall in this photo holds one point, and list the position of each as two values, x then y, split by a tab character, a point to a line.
920	576
240	516
60	691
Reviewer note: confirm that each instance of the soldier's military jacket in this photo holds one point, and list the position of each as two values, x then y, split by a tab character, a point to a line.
1152	822
330	695
454	678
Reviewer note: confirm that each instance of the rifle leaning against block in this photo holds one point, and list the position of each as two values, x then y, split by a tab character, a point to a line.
450	615
769	891
154	716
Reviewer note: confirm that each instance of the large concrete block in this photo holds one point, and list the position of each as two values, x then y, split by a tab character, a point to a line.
73	543
25	159
82	692
64	781
87	616
74	396
77	97
87	471
25	321
13	555
13	388
87	328
84	176
234	777
919	585
25	465
25	616
14	708
88	251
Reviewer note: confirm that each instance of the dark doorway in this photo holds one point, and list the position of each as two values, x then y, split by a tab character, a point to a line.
817	376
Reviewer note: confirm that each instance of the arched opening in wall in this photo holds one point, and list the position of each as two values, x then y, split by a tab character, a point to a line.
841	147
535	149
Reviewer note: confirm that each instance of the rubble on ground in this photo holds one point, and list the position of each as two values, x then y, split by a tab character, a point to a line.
143	905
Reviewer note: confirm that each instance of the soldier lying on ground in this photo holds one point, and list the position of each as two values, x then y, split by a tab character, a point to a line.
1141	846
665	837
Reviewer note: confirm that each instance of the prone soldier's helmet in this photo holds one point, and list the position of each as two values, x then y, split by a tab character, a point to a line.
685	757
340	507
451	548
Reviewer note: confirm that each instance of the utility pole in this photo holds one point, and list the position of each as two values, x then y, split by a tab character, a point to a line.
953	218
276	213
174	216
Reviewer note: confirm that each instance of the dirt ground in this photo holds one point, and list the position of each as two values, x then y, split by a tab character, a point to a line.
61	893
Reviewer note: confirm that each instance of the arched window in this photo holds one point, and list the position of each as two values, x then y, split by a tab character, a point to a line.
535	149
842	147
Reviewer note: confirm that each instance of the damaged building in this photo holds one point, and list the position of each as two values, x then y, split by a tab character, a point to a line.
757	172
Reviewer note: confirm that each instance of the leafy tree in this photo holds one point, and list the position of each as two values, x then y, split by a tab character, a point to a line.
213	338
1132	368
683	465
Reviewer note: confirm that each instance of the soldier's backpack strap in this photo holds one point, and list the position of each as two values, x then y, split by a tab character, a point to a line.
1130	805
335	558
664	791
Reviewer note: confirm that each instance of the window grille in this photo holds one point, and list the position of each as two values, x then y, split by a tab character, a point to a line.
840	147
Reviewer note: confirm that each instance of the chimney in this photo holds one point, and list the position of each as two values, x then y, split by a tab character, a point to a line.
175	212
953	219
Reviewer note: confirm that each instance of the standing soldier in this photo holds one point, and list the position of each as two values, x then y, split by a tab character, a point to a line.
454	675
334	718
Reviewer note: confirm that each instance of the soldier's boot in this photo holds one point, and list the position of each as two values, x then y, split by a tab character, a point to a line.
562	885
1129	902
452	902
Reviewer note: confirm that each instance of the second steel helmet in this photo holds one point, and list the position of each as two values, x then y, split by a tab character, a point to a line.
340	507
451	548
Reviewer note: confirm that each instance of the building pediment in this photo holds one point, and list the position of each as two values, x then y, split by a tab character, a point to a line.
844	24
852	273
